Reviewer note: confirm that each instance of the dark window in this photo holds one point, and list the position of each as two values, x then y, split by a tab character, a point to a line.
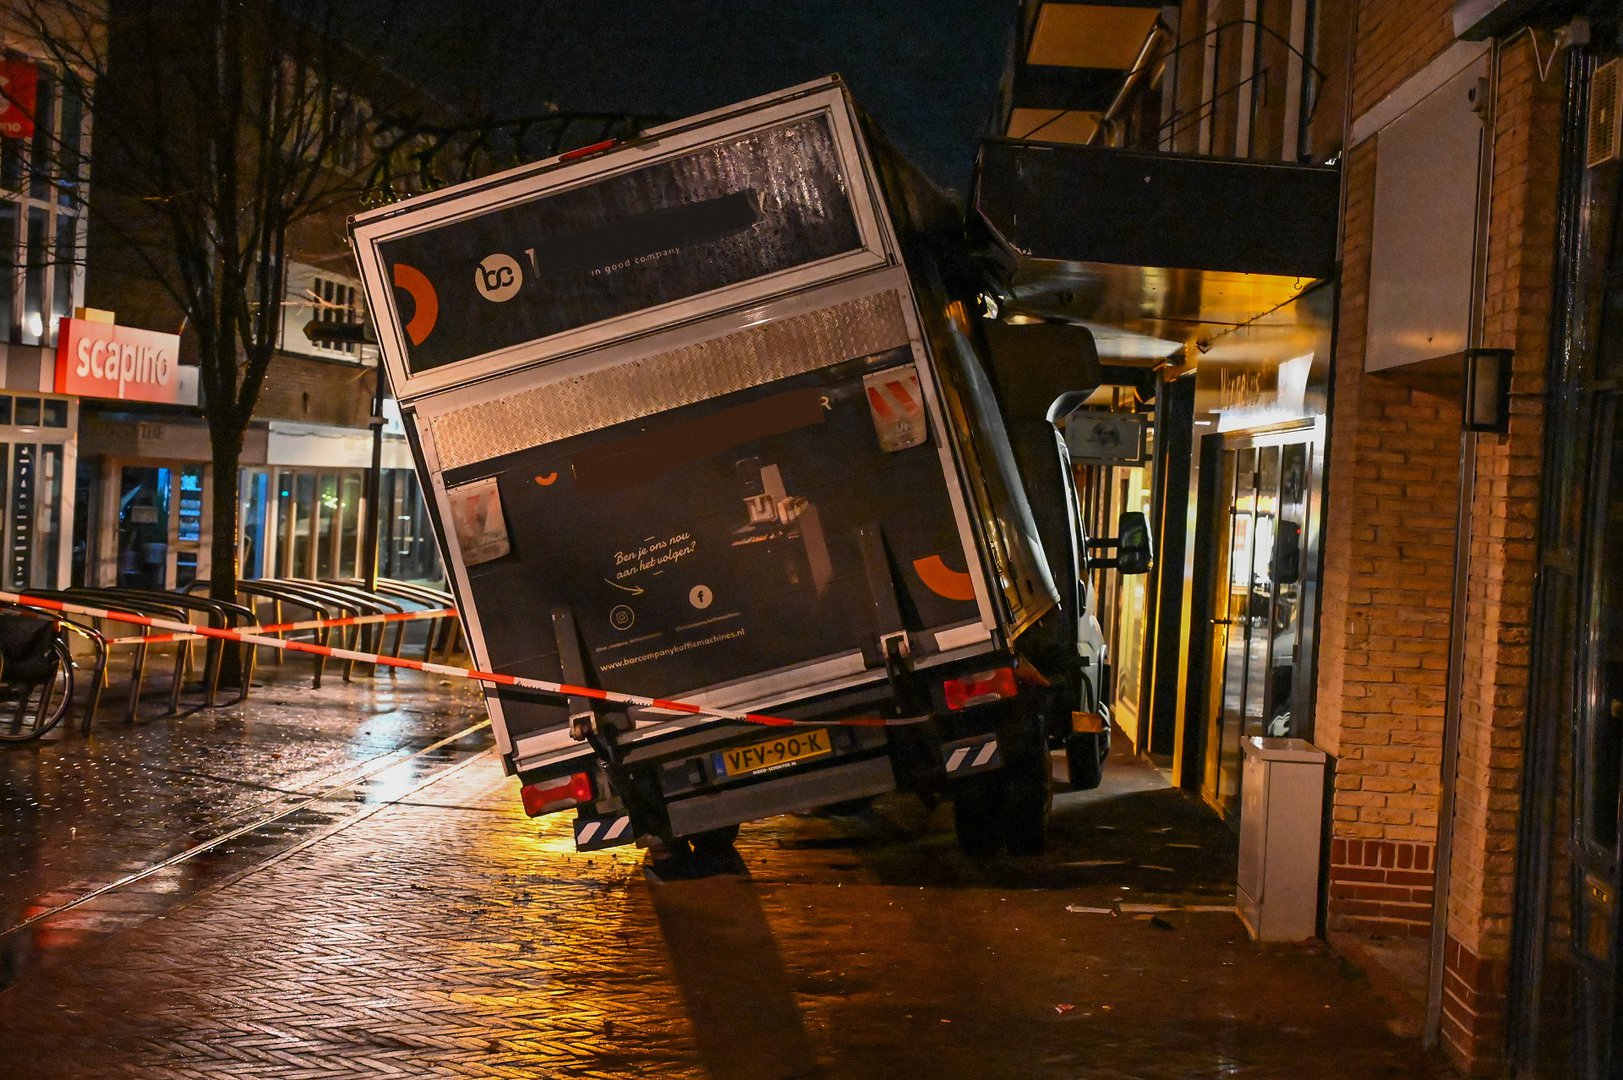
37	260
1605	705
8	265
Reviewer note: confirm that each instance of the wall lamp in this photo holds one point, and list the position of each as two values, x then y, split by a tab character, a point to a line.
1487	390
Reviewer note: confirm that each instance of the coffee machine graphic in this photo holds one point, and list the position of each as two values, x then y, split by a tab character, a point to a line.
786	528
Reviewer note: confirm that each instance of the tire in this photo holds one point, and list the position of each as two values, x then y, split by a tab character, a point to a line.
1085	754
977	815
1028	795
715	842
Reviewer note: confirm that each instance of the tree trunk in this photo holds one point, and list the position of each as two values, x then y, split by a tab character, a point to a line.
226	444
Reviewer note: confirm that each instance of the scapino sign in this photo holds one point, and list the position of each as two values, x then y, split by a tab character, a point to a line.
95	359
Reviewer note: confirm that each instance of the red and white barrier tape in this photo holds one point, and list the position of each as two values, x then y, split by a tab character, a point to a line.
307	624
541	686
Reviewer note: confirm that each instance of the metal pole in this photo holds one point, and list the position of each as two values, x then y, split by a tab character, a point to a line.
374	487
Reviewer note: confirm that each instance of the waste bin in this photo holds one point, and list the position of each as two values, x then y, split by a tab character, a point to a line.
1281	806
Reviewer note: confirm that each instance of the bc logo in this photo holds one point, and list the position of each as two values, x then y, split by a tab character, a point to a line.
498	278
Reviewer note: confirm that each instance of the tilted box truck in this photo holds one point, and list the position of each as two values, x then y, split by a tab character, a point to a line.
711	415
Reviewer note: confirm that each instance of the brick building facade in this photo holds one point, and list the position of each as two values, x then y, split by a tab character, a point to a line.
1390	559
1473	232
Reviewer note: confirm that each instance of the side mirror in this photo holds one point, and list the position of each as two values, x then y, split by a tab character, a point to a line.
1134	554
1133	544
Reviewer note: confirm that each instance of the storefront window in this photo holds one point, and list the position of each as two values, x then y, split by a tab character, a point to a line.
143	528
48	522
328	517
256	510
277	558
303	519
349	527
1604	722
1257	605
188	525
310	524
406	550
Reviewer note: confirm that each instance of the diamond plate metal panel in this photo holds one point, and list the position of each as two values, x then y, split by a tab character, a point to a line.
697	372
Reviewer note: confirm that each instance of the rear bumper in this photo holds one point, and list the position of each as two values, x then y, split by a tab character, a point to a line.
782	795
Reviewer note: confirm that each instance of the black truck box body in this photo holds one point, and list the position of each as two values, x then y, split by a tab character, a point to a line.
681	430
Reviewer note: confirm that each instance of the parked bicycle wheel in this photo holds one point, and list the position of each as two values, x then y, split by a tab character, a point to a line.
36	692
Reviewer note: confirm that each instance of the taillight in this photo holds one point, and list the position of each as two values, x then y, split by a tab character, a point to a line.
980	688
552	796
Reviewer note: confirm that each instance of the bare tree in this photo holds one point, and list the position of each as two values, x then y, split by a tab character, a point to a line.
229	134
219	127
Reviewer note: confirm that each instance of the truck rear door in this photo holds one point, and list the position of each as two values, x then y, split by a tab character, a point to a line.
677	421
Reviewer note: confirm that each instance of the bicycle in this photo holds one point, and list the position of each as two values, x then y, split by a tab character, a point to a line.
36	676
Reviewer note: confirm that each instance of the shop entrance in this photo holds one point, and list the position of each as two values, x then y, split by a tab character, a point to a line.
1256	685
160	526
31	485
37	452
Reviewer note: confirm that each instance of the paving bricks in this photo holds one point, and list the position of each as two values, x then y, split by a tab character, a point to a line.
447	935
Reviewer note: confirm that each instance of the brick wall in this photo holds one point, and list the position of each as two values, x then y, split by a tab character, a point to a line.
313	391
1389	566
1389	547
1396	38
1503	553
1382	887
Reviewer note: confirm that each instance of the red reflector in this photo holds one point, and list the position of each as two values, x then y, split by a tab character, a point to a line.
588	151
554	796
981	687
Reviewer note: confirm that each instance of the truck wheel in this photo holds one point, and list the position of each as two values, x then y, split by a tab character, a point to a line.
1085	754
1028	795
977	805
715	842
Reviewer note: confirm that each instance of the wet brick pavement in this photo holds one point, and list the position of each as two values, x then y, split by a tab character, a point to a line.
79	812
429	929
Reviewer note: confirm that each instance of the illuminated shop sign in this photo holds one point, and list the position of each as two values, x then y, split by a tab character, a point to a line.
96	359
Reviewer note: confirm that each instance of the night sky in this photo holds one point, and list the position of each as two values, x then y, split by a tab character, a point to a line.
928	69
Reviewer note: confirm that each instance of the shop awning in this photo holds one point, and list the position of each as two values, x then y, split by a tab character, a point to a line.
1151	250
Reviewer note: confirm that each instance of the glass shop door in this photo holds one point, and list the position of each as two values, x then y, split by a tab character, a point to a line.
1256	607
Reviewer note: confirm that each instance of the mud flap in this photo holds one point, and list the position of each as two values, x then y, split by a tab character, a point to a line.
966	757
597	833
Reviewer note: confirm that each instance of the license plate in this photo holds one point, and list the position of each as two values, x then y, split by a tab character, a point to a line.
772	753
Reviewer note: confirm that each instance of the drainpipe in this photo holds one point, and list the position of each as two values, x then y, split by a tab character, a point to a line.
1449	769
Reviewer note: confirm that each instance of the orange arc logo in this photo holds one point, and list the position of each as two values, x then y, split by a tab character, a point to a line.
425	302
547	480
942	580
